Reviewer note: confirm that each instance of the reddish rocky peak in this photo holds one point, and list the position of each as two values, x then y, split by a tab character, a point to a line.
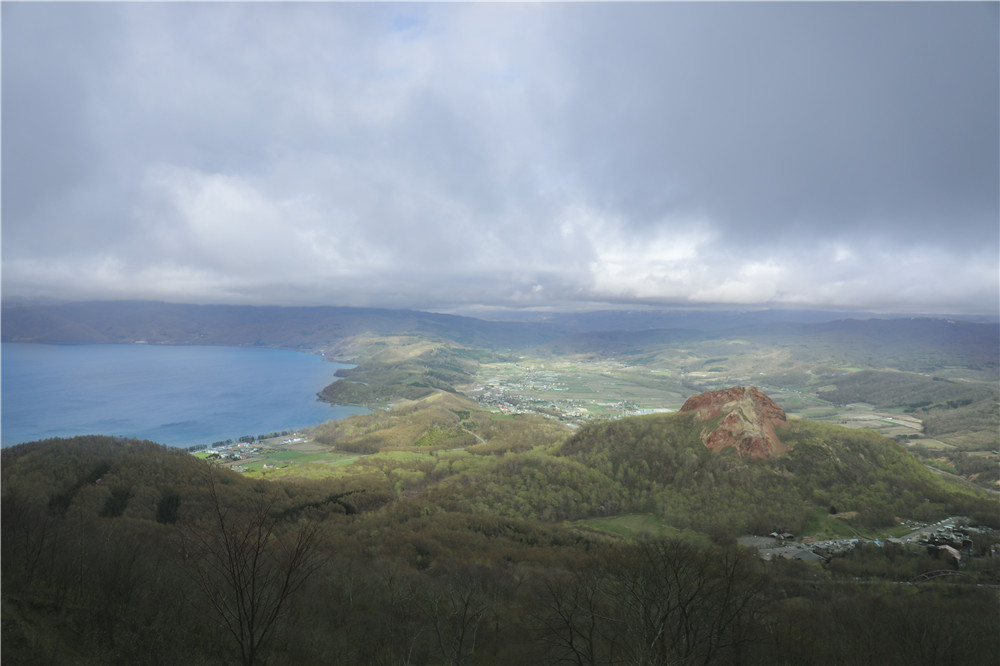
746	420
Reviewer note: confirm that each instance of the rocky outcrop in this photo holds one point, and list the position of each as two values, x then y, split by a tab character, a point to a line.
741	417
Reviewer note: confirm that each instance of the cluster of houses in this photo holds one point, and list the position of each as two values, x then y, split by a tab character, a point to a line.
238	451
509	402
249	448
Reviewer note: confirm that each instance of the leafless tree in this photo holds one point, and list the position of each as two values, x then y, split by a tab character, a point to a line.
457	605
653	602
248	567
681	604
572	617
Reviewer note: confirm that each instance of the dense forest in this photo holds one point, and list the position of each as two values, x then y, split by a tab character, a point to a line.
123	552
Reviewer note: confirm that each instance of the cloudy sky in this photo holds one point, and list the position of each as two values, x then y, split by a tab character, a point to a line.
450	156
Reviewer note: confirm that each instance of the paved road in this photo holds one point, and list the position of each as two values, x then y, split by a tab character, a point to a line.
927	531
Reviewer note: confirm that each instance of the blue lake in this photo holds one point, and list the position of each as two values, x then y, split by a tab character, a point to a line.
179	396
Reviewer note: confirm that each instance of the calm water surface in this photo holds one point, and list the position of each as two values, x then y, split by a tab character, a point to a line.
178	396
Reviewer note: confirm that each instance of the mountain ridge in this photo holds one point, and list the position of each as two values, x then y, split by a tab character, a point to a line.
312	327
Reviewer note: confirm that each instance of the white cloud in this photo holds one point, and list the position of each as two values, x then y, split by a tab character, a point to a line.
663	264
752	281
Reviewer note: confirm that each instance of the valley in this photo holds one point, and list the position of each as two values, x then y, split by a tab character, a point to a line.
586	386
577	391
930	384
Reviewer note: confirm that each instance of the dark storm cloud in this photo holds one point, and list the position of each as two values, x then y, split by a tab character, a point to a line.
436	156
872	118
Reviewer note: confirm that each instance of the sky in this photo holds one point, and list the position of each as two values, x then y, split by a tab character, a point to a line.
461	157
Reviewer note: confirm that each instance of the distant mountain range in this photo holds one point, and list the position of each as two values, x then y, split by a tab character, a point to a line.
307	328
701	319
319	328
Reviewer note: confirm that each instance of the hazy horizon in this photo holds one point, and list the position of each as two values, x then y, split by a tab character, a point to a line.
521	157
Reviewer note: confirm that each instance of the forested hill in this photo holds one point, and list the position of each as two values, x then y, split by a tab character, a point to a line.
661	464
657	463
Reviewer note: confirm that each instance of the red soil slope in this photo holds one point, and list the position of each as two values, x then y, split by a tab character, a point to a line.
748	420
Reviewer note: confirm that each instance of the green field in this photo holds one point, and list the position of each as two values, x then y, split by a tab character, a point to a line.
822	526
285	454
637	524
